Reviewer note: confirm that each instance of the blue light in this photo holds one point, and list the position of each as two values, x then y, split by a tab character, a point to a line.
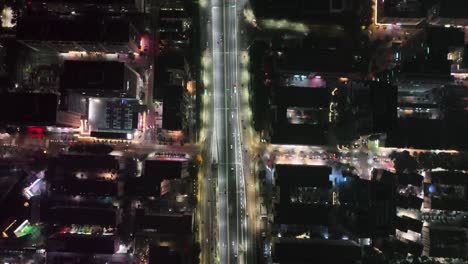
432	188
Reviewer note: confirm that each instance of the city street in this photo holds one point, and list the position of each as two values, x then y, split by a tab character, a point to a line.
224	140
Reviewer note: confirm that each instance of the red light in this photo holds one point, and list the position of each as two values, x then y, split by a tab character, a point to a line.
35	132
29	3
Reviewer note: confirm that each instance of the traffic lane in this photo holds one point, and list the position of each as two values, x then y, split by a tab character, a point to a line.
222	186
218	66
237	151
232	186
237	176
222	221
207	219
233	170
241	199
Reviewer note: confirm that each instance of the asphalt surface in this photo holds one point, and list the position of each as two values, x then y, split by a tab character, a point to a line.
226	139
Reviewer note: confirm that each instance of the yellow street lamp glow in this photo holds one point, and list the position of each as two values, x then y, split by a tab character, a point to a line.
334	91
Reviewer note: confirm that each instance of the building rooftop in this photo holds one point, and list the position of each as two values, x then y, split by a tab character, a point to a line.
163	224
74	28
331	60
28	108
302	96
67	215
410	201
76	162
165	169
93	75
404	9
367	208
405	223
85	187
449	177
163	255
416	133
445	242
297	175
320	10
304	194
453	8
119	115
313	102
81	244
172	104
315	251
142	187
411	178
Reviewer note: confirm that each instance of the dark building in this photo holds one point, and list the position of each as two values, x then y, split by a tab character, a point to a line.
367	208
99	78
432	112
409	202
417	133
28	109
84	33
420	96
170	88
449	12
408	247
66	164
35	109
173	108
300	115
405	223
328	57
317	11
174	24
81	244
447	190
373	106
410	178
166	169
180	224
143	187
163	255
69	215
114	7
410	13
315	251
155	171
426	51
304	193
85	175
445	242
88	188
